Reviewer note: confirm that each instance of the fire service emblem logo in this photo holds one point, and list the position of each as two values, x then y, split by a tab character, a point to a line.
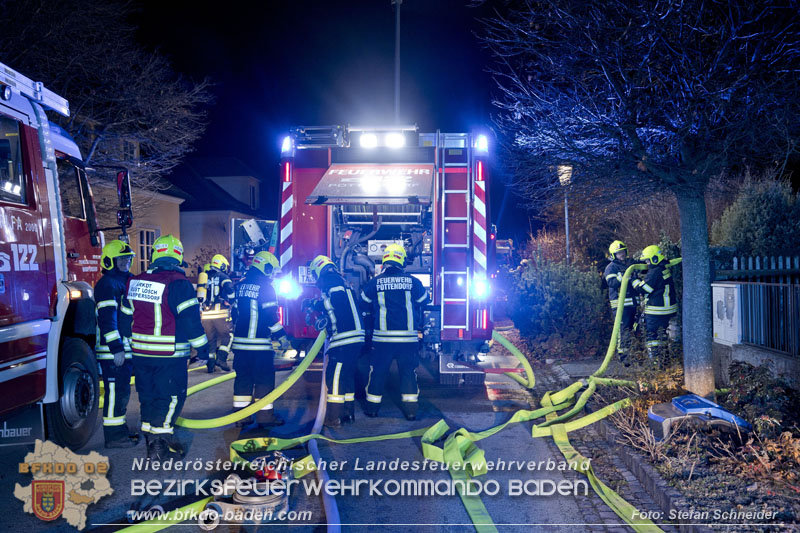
48	499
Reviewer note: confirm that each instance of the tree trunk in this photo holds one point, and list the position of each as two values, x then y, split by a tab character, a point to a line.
697	326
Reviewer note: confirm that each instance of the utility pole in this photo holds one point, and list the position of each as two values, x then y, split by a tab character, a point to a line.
397	4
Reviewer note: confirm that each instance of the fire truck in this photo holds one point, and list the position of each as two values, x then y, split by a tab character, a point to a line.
50	247
348	192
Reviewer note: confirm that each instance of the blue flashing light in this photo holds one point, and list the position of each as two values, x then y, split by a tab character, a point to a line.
482	143
286	146
287	288
480	288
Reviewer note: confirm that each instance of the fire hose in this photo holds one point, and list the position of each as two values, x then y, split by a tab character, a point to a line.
459	448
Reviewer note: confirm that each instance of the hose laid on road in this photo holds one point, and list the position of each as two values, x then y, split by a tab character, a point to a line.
328	501
459	447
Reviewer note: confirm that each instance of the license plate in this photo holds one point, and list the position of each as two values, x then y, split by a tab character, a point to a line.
306	277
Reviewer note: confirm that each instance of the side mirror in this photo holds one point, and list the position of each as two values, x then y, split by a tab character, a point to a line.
124	218
124	191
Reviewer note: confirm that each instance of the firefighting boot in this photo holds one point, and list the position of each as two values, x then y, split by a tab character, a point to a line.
222	364
159	449
210	364
333	412
371	409
349	411
410	410
266	418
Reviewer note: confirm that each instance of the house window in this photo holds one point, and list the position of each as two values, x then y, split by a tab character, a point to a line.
13	187
253	197
146	239
130	152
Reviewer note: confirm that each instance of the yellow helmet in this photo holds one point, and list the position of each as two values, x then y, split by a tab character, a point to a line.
320	262
617	246
395	252
653	253
167	246
115	248
219	262
265	260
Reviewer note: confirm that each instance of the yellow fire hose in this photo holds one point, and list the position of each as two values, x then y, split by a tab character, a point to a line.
459	446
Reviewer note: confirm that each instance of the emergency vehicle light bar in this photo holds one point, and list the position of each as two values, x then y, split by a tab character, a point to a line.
35	90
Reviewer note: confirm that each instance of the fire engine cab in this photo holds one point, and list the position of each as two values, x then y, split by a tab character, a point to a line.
348	192
50	248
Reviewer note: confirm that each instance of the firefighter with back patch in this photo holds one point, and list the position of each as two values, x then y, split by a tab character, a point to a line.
613	275
661	303
257	326
345	340
394	301
216	301
166	325
112	344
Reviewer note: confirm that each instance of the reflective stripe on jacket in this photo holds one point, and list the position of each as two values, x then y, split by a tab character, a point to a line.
395	300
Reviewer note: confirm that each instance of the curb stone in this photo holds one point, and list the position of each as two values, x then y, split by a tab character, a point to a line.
667	498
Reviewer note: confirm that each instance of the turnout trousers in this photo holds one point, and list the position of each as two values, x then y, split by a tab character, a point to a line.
161	383
220	337
255	378
340	377
625	329
117	385
659	326
380	360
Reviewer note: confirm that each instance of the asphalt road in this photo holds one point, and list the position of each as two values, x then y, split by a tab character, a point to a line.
471	407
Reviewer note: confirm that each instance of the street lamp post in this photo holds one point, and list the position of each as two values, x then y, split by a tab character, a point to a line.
564	177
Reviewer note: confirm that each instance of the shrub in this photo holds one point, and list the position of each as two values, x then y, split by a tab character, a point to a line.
559	309
763	220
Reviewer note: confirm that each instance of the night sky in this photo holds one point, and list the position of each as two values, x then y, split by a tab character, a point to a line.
301	62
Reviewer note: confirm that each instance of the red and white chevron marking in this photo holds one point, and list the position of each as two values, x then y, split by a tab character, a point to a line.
287	211
479	229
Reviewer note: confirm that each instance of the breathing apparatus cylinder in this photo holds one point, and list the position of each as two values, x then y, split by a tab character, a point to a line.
202	289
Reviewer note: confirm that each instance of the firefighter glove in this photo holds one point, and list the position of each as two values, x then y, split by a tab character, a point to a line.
119	358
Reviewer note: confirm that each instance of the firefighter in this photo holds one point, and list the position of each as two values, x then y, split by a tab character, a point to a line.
216	301
345	340
661	300
613	275
394	301
166	326
112	345
257	326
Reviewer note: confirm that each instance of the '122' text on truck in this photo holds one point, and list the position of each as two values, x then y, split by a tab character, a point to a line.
50	248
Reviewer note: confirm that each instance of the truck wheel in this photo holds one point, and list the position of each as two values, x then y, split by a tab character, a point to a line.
72	419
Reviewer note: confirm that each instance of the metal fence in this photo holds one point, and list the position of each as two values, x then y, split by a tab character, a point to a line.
771	315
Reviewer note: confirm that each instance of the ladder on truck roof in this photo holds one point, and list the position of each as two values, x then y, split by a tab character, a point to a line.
35	90
455	230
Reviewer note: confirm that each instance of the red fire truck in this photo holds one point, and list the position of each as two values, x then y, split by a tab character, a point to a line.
349	191
50	248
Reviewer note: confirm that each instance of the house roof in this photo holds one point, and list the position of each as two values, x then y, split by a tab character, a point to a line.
203	194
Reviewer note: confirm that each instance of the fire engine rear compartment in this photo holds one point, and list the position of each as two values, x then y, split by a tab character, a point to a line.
350	203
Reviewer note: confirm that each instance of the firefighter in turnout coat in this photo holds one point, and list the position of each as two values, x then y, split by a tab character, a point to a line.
166	326
216	302
394	301
112	345
345	340
613	276
257	326
661	303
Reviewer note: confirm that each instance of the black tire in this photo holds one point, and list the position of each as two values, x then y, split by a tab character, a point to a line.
72	419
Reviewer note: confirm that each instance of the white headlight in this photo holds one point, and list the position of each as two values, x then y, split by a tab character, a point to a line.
286	146
482	143
395	140
368	140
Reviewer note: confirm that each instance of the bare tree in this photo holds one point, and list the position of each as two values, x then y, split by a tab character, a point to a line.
642	96
128	107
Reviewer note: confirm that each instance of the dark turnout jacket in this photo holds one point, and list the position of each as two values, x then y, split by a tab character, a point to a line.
394	300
